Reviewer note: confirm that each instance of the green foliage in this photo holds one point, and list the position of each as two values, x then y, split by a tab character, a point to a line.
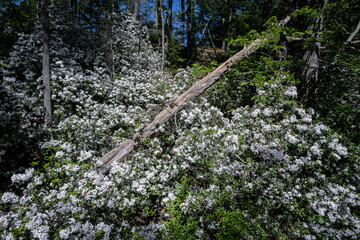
238	87
176	57
234	225
15	16
199	71
179	228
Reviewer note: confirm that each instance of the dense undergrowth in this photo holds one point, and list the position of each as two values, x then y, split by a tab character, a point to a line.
249	163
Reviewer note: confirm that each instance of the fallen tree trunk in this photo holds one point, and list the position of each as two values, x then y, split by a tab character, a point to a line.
125	148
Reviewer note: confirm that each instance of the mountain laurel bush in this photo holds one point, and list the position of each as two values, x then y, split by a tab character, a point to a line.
269	170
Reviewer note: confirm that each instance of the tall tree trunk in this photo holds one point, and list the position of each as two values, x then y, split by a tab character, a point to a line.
159	17
79	10
161	30
129	6
226	26
212	42
189	34
182	23
168	28
310	72
162	38
223	45
109	35
46	62
74	6
136	8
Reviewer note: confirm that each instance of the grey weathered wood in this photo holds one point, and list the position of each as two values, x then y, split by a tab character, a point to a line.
354	33
46	62
125	148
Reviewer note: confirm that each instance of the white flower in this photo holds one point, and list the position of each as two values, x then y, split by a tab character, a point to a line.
293	119
18	178
267	112
261	92
291	138
341	150
104	227
320	211
65	233
301	128
315	150
199	233
59	154
291	91
294	168
171	196
307	119
84	155
255	113
9	197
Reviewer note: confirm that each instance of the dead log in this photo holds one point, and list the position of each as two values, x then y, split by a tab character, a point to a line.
125	148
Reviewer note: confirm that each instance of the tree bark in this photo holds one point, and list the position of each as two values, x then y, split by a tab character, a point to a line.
226	25
109	35
212	42
162	37
168	28
223	44
310	72
73	4
351	37
126	148
129	6
136	8
159	21
205	28
182	23
189	34
46	62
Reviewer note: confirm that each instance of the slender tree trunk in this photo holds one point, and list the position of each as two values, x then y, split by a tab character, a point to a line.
351	37
182	23
310	72
226	24
46	62
168	28
162	37
223	45
74	6
159	21
136	8
212	42
79	10
109	36
129	6
189	35
205	28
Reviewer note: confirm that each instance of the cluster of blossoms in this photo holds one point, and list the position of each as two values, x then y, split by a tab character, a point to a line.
269	168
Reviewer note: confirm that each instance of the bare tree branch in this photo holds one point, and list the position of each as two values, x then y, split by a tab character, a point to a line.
354	33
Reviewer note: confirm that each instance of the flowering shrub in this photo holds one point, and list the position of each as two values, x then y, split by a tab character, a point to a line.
267	171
